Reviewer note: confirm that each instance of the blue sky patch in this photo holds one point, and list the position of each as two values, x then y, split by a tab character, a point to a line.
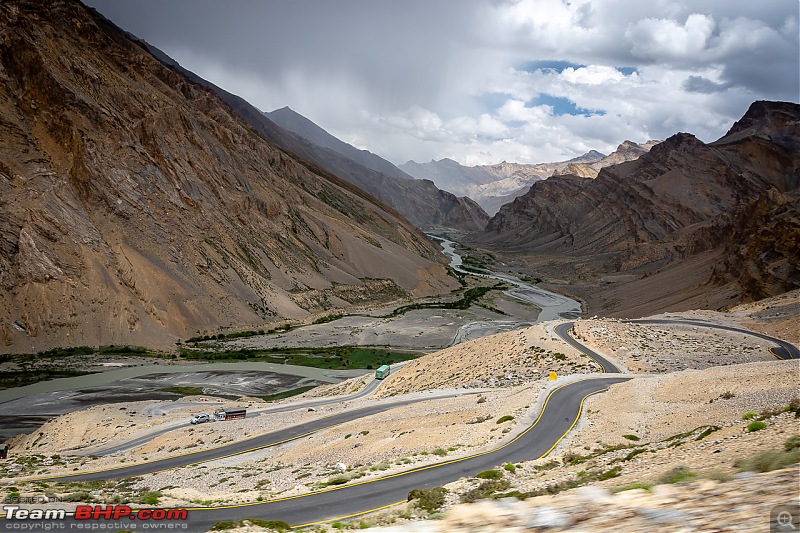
557	66
562	106
627	71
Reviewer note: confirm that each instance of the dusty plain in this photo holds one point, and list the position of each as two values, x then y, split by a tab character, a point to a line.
688	383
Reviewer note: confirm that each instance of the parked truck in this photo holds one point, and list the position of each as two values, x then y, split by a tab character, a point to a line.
229	414
382	372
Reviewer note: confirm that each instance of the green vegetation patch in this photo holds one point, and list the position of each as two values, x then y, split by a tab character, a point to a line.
272	525
19	378
708	431
676	475
334	357
470	297
485	490
632	486
489	474
430	500
505	418
186	391
756	425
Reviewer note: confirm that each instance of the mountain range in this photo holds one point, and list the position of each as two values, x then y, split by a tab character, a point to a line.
137	206
491	186
141	204
686	225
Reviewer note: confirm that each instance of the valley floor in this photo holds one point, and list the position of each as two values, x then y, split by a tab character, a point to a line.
682	417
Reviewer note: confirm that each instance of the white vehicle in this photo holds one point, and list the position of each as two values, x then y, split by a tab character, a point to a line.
200	418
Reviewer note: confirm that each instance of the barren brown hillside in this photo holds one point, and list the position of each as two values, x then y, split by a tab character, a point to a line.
136	207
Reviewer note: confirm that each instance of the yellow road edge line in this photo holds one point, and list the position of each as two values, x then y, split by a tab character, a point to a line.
580	410
776	355
345	399
413	470
361	513
590	356
255	448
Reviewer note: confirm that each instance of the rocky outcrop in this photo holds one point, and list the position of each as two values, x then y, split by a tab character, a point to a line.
679	200
137	207
762	254
627	151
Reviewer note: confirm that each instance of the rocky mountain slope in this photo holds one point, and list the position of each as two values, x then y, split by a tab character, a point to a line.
491	186
627	151
420	201
713	215
137	207
294	122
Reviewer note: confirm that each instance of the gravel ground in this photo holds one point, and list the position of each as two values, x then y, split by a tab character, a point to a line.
686	390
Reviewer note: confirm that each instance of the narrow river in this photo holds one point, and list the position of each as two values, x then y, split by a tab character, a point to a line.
421	329
553	306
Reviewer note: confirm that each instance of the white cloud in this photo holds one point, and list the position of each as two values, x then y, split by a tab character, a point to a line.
421	80
665	40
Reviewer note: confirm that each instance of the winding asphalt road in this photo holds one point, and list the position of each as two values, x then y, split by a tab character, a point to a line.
366	391
783	350
559	414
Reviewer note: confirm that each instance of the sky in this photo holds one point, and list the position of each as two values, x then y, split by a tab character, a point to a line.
484	81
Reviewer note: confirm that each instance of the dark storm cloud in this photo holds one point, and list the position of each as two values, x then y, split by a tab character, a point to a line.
426	79
399	49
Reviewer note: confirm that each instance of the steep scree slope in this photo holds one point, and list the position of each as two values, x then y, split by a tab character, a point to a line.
136	206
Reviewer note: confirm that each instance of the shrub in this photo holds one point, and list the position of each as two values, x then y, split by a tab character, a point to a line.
749	416
430	500
792	444
727	395
508	467
489	474
505	418
81	496
222	526
632	486
614	472
631	437
756	425
485	489
708	431
151	498
768	461
272	525
676	475
572	458
634	453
